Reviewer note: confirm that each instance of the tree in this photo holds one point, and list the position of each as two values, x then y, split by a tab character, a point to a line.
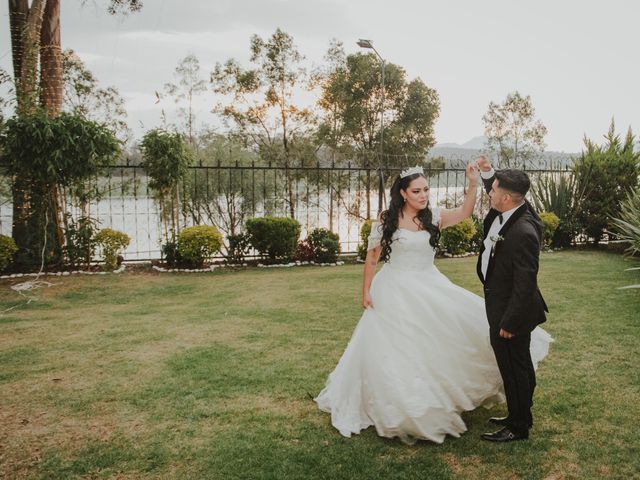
513	132
189	85
36	54
83	96
166	160
351	96
227	196
53	153
259	104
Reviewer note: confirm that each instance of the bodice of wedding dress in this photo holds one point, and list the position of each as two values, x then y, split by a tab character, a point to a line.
411	249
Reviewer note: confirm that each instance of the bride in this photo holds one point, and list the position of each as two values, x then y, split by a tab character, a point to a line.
420	355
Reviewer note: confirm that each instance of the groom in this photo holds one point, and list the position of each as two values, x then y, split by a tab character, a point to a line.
508	268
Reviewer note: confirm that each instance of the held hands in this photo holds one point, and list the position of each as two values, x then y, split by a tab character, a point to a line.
366	301
473	175
483	163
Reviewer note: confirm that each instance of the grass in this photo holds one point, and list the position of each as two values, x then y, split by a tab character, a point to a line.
207	376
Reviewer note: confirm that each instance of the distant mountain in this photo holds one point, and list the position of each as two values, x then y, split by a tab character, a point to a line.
456	155
476	143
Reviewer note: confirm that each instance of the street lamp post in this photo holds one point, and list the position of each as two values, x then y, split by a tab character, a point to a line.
362	43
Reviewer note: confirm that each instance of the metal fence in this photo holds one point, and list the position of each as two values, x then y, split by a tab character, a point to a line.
226	195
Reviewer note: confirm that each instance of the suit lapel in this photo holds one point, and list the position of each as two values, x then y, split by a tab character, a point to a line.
503	231
488	221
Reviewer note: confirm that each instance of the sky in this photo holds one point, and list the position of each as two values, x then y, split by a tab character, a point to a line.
577	59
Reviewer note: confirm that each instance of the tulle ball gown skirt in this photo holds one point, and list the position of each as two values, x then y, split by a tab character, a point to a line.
417	359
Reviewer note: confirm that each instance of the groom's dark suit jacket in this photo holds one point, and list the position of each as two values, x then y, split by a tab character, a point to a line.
512	298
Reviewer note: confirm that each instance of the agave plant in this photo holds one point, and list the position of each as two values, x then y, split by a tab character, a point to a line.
558	193
628	225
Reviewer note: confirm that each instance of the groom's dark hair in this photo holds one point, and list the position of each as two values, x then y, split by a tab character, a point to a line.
515	181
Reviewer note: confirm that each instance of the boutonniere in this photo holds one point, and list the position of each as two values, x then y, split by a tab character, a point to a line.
494	240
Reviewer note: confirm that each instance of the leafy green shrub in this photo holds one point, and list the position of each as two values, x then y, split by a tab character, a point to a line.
238	247
7	249
457	238
276	237
325	245
477	240
196	244
166	158
112	242
551	223
365	231
80	242
628	224
59	150
171	254
605	173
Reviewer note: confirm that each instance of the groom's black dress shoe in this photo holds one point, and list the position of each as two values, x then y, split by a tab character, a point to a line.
501	421
504	435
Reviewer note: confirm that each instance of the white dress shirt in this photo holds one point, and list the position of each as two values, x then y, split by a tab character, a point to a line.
494	229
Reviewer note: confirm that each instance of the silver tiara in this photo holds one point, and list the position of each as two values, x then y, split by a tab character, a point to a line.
411	171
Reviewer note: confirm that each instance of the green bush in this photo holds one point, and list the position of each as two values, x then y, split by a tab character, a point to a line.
551	223
166	158
477	240
457	238
606	173
80	240
275	237
111	242
365	231
7	249
238	247
325	245
171	254
198	243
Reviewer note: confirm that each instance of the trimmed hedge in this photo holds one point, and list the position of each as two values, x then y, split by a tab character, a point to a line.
198	243
275	237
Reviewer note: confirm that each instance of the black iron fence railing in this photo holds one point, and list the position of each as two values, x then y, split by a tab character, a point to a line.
339	198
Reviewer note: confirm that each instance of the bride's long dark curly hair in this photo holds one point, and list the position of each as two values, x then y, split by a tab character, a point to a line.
389	218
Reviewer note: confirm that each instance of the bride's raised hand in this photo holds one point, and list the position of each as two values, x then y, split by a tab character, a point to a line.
366	301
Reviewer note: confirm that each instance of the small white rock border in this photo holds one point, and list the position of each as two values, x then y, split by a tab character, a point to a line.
299	264
211	268
120	269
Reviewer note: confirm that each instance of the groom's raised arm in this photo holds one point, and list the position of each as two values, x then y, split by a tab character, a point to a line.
487	173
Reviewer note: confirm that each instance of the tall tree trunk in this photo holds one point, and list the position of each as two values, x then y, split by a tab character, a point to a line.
18	12
51	85
51	82
27	81
25	26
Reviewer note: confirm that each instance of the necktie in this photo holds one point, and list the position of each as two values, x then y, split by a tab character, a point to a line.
500	218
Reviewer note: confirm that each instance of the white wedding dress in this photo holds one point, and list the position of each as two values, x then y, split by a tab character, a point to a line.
420	356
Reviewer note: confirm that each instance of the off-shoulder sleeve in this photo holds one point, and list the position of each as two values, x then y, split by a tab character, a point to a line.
375	236
435	216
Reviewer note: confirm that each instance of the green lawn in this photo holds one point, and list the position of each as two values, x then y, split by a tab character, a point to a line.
207	376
